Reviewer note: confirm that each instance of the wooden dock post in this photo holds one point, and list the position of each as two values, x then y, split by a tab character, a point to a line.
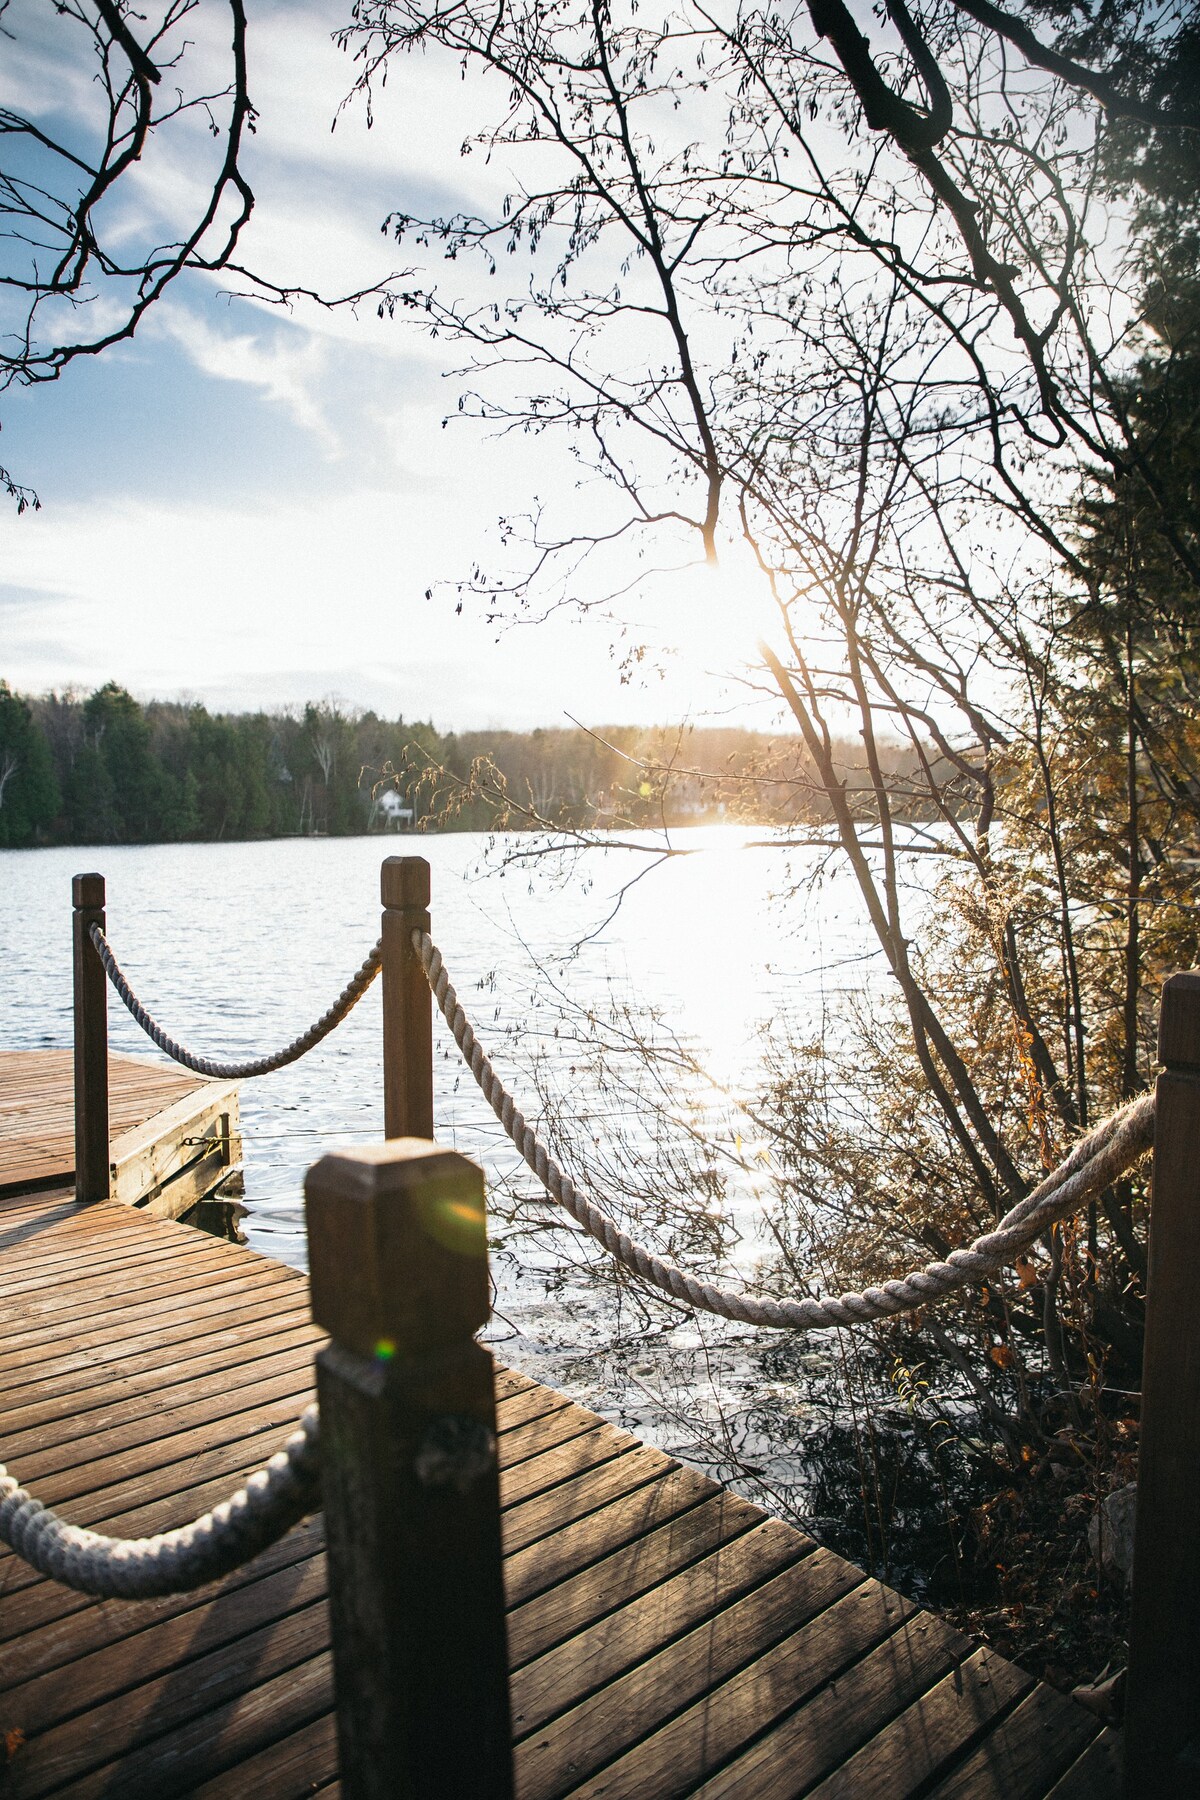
407	1002
1162	1710
397	1239
91	1043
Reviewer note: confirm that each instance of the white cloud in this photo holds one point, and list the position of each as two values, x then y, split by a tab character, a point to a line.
287	368
294	600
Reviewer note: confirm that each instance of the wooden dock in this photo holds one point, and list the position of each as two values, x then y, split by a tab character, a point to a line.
666	1638
173	1137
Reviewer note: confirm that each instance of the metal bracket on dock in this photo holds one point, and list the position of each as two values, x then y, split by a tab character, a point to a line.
178	1156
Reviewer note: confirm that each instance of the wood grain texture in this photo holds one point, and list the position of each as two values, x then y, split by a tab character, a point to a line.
37	1108
1096	1774
151	1125
407	1001
410	1480
665	1637
1162	1705
1041	1736
932	1733
159	1157
89	1113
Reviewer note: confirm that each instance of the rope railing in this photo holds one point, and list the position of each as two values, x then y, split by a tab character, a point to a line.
273	1499
349	997
287	1488
1095	1161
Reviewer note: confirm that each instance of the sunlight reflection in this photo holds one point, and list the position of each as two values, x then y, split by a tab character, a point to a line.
714	614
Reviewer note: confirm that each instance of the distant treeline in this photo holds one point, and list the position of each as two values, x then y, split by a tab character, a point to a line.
103	768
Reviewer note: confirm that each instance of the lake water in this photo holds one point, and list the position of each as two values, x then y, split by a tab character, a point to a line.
560	962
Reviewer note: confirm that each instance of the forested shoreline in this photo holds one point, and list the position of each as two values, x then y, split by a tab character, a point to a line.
104	768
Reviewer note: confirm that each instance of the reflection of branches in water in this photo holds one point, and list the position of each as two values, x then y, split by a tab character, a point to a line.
782	1422
646	1125
628	1105
884	1469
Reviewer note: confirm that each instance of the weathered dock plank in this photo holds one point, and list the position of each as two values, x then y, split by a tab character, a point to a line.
172	1135
37	1108
665	1637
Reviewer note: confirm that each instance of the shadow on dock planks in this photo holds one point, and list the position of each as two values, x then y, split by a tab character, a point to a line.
666	1637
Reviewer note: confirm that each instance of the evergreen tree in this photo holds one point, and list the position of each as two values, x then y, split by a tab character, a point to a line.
1142	520
90	800
144	795
29	796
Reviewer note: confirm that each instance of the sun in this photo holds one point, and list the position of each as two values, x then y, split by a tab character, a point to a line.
715	615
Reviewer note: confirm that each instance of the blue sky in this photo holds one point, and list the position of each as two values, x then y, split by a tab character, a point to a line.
248	506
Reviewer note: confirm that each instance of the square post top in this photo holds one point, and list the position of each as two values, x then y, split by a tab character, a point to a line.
1179	1021
397	1236
404	881
87	891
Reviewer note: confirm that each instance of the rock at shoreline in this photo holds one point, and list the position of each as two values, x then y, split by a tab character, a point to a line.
1110	1533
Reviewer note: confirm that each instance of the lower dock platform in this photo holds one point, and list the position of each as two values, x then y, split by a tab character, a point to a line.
173	1136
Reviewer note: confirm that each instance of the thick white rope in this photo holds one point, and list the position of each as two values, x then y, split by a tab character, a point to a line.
274	1499
1096	1161
349	998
